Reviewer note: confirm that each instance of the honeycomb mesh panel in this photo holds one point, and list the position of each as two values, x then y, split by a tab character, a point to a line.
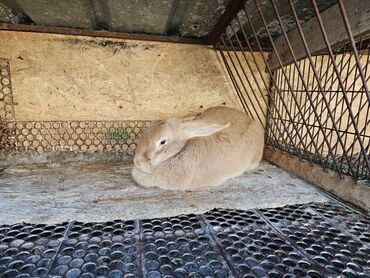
77	136
7	142
307	240
6	94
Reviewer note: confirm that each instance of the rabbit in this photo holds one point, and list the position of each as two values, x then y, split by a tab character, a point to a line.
198	152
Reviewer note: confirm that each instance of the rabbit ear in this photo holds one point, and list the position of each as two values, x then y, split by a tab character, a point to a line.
199	128
177	121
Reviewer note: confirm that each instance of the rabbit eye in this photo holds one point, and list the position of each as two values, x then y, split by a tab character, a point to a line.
161	143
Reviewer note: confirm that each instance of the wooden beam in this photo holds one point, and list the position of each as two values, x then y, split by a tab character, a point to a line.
345	189
95	33
232	9
358	12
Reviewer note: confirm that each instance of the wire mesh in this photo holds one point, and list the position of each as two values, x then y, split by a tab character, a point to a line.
315	107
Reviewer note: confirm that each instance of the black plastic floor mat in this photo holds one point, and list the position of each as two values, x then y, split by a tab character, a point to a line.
311	240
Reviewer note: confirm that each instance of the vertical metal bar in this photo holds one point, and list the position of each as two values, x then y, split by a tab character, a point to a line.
251	71
249	83
263	81
295	113
273	80
354	49
315	104
246	77
322	28
322	110
290	76
342	109
254	78
366	121
339	102
281	108
321	88
352	98
236	86
241	81
284	73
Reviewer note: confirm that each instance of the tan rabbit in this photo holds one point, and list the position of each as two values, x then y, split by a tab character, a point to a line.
183	154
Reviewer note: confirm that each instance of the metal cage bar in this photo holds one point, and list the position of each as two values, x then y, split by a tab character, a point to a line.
317	107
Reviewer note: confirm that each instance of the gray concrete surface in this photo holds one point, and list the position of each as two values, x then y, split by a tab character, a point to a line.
102	191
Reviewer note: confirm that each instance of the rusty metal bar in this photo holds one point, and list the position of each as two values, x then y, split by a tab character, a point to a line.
231	11
253	75
318	117
241	81
278	92
331	97
249	84
322	28
286	78
236	86
102	34
316	109
344	133
354	49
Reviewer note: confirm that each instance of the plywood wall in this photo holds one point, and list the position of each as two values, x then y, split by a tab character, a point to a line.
59	77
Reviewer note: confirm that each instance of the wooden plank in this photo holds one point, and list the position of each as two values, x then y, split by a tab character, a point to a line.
345	188
358	12
95	33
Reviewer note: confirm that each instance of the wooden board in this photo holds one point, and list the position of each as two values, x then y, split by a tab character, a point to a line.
60	77
358	12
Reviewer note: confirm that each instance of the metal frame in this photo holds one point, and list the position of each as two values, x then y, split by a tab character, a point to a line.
233	8
316	109
102	34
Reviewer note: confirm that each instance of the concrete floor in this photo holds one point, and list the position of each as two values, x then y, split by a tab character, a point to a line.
101	191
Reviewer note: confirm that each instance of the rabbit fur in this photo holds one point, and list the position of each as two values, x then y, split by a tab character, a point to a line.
198	152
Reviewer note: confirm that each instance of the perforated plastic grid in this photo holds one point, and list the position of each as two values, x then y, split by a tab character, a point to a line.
99	249
28	250
78	136
6	108
327	235
313	240
6	95
180	247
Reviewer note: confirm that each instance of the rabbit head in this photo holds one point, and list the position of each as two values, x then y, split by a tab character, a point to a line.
166	139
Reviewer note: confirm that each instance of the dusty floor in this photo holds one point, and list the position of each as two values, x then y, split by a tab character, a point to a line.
101	191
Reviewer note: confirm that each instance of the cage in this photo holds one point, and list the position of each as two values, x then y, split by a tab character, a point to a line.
80	81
